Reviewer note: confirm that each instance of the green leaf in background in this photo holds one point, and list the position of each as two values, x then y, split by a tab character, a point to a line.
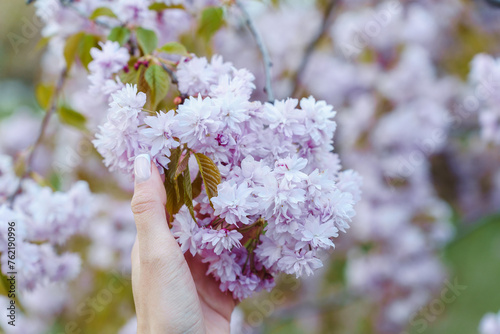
147	40
119	34
174	48
44	95
42	43
210	174
212	19
102	11
87	42
71	48
72	117
131	75
5	287
161	6
473	260
159	83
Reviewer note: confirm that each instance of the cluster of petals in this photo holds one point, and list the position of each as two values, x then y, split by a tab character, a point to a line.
40	220
282	199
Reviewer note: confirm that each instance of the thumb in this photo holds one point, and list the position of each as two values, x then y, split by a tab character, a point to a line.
148	205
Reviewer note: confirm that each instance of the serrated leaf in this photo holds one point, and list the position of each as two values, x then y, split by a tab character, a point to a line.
44	95
196	186
174	48
175	194
71	48
161	6
159	83
212	19
102	11
87	42
147	40
183	164
72	117
119	34
188	192
209	173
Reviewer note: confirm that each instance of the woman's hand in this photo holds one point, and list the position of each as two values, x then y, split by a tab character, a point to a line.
172	294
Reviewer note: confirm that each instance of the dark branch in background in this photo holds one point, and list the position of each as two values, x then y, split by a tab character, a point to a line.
29	158
311	46
263	50
173	76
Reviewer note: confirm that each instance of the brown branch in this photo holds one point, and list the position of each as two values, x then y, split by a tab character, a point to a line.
311	46
43	127
262	47
173	76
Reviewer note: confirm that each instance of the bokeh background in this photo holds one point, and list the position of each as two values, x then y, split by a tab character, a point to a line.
417	113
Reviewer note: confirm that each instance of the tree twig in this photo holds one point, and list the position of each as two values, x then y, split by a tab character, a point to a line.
43	127
263	50
173	76
311	46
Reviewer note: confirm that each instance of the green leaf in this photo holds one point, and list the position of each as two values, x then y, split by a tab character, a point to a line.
71	48
44	95
175	194
42	43
159	83
174	48
209	173
147	40
87	42
119	34
5	288
196	186
161	6
130	76
72	117
102	11
188	192
212	19
183	164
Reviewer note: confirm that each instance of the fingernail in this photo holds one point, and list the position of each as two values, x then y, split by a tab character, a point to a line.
142	167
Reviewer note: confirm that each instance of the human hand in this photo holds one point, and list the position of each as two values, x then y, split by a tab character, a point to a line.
172	294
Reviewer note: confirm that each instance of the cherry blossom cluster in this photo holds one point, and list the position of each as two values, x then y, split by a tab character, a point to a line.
282	198
43	219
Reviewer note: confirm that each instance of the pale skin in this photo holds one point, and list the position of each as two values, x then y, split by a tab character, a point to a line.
172	294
